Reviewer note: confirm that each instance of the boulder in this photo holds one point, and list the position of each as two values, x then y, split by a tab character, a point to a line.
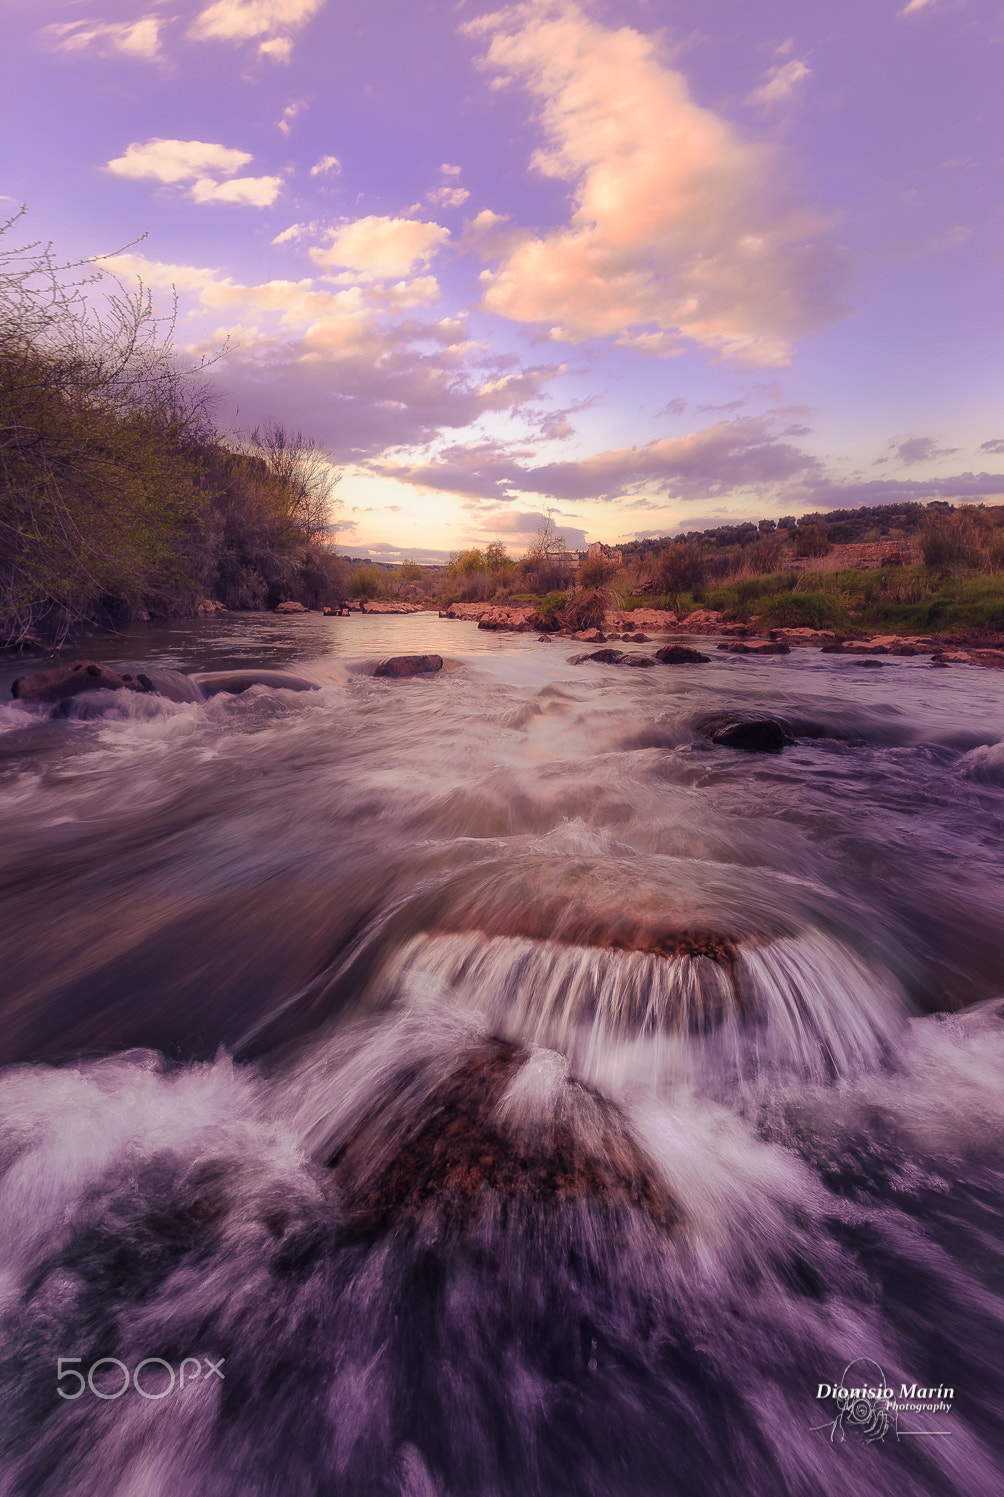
70	680
875	664
470	1147
642	660
804	636
993	659
291	608
639	638
400	666
590	636
757	647
865	647
602	657
681	655
211	683
954	657
515	620
754	735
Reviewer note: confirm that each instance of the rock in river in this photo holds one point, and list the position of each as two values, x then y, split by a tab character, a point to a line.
399	666
70	680
681	655
756	735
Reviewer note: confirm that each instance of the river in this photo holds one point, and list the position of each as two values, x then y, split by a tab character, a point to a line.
482	1085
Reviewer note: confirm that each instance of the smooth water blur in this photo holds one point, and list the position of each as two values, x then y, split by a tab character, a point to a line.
519	1093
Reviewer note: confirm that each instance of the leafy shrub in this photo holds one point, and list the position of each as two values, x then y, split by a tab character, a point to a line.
812	540
791	610
365	582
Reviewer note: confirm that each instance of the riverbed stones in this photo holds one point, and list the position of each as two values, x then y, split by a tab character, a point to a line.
400	666
71	680
681	655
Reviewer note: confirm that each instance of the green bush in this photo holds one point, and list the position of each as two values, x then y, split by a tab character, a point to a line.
791	610
551	605
365	582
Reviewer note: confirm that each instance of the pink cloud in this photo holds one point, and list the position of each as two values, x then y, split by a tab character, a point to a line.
681	228
379	247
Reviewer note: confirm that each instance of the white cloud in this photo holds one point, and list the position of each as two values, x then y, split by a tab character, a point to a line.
447	197
378	247
916	5
681	226
326	164
279	48
252	192
178	161
289	114
136	39
781	84
276	21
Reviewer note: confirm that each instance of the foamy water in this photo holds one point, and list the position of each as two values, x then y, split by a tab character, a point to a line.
482	1084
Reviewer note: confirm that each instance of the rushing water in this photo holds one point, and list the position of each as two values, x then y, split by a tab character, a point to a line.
494	1089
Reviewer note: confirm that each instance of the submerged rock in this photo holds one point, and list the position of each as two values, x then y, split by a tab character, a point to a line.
681	655
211	683
400	666
602	657
70	680
755	735
503	1129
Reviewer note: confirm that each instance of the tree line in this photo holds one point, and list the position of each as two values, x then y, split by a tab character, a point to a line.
119	498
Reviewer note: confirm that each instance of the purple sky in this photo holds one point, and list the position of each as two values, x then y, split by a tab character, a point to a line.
651	265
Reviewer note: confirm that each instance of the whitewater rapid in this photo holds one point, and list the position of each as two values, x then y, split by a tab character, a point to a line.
483	1084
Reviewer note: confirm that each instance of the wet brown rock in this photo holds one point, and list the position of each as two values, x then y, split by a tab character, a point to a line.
291	608
681	655
602	657
757	647
754	735
589	636
639	638
70	680
400	666
459	1153
637	660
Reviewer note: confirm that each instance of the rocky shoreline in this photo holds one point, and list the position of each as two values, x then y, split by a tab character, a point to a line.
619	623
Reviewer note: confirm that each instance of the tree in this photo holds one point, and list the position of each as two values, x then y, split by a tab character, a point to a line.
303	469
545	561
409	571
